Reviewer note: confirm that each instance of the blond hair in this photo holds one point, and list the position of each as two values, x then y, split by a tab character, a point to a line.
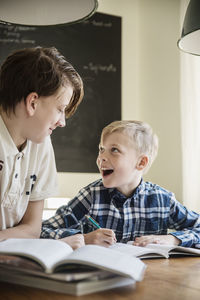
145	141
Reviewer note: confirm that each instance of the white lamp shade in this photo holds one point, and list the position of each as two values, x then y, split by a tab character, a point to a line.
190	37
190	43
46	12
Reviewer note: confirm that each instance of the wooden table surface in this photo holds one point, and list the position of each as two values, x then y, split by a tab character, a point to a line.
164	279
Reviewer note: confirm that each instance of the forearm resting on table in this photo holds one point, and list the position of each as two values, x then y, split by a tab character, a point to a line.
156	239
30	225
20	231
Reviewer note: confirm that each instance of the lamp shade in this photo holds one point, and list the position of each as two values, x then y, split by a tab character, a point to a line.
45	12
190	37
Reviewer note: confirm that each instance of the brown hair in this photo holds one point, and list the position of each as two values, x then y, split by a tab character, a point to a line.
41	70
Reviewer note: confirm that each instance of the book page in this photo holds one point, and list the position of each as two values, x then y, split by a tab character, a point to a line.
141	252
20	263
107	259
25	266
154	250
175	249
44	251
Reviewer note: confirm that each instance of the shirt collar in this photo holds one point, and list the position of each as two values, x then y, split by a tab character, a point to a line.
117	195
8	141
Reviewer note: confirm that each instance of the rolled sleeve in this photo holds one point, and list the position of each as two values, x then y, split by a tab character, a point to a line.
186	223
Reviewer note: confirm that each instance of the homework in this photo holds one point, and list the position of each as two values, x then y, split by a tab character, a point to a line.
155	250
56	256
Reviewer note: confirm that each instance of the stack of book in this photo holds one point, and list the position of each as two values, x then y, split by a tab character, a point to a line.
53	265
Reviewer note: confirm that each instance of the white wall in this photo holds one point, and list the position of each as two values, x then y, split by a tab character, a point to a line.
159	86
150	84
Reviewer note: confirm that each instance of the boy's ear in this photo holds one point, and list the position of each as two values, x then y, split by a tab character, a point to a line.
142	162
31	102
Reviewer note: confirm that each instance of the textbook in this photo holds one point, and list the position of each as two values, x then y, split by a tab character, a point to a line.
78	288
54	261
25	265
155	250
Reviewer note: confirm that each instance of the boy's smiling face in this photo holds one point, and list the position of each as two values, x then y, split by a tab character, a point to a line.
118	162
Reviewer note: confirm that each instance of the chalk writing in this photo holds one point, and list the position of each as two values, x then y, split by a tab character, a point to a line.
17	41
98	23
13	34
98	67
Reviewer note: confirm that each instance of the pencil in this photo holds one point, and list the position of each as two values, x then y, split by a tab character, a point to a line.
94	223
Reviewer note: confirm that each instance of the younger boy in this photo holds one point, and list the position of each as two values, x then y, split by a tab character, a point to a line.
121	201
38	89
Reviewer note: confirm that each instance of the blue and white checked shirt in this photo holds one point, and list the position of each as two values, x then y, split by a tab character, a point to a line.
150	210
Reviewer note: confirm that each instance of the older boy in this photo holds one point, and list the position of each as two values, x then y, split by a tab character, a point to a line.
121	201
38	89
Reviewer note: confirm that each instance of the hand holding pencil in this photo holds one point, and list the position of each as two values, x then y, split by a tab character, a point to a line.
102	236
93	222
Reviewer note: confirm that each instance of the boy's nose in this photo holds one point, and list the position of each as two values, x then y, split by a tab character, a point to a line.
100	160
102	157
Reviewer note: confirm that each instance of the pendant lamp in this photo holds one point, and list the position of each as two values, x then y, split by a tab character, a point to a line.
45	12
190	37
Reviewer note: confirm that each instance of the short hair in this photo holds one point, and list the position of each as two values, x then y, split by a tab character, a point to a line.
145	141
41	70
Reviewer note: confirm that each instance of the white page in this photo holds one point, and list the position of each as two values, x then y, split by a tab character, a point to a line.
174	249
45	251
138	251
108	259
150	249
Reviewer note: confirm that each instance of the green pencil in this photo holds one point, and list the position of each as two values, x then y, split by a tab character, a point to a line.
96	225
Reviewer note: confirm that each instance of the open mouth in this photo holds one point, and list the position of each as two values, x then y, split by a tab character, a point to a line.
107	172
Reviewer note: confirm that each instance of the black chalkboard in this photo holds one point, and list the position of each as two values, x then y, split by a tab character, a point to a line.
93	47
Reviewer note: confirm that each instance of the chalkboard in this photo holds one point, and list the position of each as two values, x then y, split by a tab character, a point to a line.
93	47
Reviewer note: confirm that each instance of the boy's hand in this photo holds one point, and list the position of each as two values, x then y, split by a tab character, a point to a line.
75	241
156	239
101	237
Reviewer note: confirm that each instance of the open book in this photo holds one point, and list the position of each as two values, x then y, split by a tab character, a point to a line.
55	260
155	250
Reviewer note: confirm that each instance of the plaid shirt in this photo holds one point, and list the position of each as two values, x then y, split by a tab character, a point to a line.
150	210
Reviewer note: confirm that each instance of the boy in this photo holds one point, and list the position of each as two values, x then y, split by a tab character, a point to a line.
121	201
38	89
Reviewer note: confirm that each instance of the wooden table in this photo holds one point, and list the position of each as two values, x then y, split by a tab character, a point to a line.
165	279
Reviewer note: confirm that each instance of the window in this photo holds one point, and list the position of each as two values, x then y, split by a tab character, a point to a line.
51	205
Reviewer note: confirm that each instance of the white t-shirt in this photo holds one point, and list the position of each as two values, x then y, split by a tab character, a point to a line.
25	176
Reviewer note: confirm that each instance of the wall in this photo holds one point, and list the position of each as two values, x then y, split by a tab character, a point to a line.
150	84
159	86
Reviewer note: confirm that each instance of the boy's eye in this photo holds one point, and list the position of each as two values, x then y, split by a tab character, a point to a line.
101	149
114	149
